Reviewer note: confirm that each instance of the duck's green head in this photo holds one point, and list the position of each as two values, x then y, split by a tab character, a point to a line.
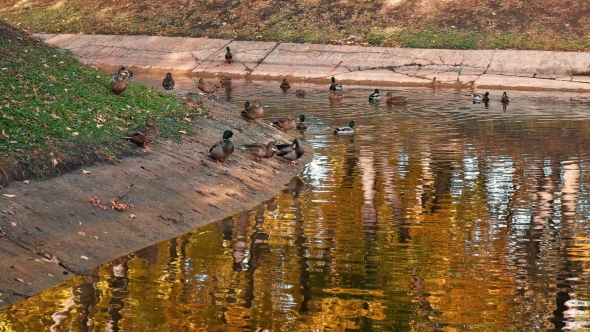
227	134
246	105
227	48
295	142
351	124
377	91
302	118
487	94
333	80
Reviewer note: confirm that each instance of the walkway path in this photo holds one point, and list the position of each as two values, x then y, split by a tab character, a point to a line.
526	70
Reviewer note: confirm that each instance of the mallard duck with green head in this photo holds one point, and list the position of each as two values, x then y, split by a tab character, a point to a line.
301	125
252	112
284	124
375	96
345	130
285	85
223	149
334	86
259	150
478	97
207	87
143	134
229	58
168	82
391	99
290	152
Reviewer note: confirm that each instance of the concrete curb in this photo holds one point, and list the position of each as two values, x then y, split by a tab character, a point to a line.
522	70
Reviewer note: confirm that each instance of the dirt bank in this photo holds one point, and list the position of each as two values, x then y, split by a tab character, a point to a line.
50	231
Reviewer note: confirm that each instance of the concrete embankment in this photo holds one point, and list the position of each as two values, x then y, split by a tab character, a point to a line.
493	69
49	230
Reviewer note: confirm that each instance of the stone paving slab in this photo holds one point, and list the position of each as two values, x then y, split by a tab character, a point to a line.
526	70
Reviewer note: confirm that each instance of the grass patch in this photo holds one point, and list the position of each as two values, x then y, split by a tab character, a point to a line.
58	114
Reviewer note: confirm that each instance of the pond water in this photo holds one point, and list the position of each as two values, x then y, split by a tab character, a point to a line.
437	215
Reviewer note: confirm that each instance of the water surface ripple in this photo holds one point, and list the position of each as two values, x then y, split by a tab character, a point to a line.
437	215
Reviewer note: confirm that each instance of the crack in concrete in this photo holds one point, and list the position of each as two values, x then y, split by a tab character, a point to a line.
264	58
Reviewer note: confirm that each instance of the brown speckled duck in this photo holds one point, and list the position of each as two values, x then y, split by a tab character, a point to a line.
284	124
143	134
207	87
118	82
259	150
391	99
285	85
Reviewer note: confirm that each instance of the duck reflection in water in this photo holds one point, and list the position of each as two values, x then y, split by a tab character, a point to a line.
119	292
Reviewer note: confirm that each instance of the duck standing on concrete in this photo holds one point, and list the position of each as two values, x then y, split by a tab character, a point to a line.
259	150
223	149
301	125
143	134
391	99
118	82
284	124
207	87
334	86
228	57
477	97
168	82
375	96
290	152
345	130
285	85
252	112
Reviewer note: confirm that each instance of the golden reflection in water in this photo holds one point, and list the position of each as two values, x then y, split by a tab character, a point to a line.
463	219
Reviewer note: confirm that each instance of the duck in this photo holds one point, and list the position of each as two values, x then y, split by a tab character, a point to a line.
391	99
334	86
479	97
290	152
259	150
345	130
168	82
505	99
375	96
301	125
252	112
143	134
207	87
228	57
223	149
285	85
127	73
225	81
335	96
284	124
300	93
118	82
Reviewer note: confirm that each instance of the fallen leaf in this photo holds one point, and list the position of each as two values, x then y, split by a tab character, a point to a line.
82	233
49	274
84	257
115	205
50	259
68	128
96	203
182	132
19	280
99	125
188	120
55	116
85	171
5	134
9	195
75	133
55	162
13	224
132	216
52	78
26	181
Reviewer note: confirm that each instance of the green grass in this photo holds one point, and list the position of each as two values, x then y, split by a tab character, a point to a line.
52	107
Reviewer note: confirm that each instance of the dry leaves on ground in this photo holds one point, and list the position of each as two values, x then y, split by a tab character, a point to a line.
96	202
115	205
